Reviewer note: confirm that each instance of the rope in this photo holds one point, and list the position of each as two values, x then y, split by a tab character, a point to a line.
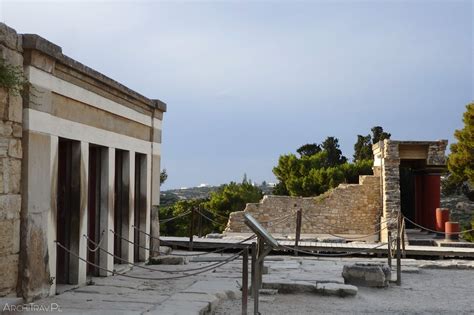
175	217
230	259
98	245
154	269
207	218
331	255
197	254
427	229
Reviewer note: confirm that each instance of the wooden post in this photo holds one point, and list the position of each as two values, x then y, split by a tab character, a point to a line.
245	280
191	229
254	278
298	230
389	254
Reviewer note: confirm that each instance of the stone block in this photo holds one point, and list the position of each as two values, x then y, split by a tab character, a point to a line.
165	250
17	130
367	275
10	206
10	173
15	148
8	280
15	108
7	235
5	128
168	260
3	102
4	143
336	289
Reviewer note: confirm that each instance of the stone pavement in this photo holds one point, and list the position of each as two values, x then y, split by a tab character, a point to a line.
200	294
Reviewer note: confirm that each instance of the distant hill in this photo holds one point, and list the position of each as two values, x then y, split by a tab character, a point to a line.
170	196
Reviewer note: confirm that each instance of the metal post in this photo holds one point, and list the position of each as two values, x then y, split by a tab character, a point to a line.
191	229
254	278
260	265
245	280
399	255
389	254
298	230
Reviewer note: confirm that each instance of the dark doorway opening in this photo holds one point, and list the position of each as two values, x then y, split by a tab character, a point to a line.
96	210
68	209
140	207
122	205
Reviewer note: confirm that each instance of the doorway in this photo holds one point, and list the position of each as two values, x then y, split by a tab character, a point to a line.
68	210
122	205
140	207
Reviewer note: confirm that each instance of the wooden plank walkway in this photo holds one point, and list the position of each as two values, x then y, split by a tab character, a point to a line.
374	248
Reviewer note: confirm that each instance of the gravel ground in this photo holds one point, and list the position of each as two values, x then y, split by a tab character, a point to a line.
431	291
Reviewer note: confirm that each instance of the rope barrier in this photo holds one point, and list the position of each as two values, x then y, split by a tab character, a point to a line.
331	255
177	254
175	217
98	245
230	259
207	218
427	229
154	269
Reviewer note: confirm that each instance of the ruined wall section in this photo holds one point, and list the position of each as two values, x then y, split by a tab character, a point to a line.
10	166
349	209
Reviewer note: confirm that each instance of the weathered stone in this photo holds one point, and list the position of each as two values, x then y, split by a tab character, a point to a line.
165	250
268	292
336	289
368	275
9	235
17	130
11	175
5	128
288	286
168	260
333	212
9	268
15	148
3	102
15	108
10	206
4	143
214	235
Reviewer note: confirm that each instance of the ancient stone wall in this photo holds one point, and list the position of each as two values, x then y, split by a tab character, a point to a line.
10	166
349	209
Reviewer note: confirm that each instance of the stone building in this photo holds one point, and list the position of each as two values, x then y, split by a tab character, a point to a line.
406	180
80	155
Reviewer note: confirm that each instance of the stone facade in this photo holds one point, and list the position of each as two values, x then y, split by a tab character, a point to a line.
10	166
387	157
349	209
79	155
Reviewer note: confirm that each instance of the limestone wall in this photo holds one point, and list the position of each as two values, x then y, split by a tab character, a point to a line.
347	209
10	167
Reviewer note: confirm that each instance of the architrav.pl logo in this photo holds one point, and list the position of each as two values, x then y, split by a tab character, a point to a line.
31	307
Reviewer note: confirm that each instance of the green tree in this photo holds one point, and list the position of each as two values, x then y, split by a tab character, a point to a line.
230	198
180	223
363	148
163	176
461	159
309	149
378	134
334	154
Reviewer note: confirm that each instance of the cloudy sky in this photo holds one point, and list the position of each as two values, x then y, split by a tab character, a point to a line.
247	81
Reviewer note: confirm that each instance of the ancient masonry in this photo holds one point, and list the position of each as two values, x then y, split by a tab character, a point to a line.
79	155
348	209
374	204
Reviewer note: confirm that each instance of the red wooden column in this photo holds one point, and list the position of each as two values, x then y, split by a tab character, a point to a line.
431	199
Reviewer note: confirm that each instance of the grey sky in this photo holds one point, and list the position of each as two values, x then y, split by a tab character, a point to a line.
248	81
